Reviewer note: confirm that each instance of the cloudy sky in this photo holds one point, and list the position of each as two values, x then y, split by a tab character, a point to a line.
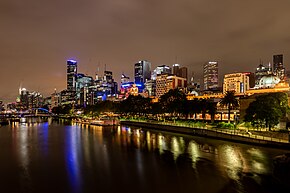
38	36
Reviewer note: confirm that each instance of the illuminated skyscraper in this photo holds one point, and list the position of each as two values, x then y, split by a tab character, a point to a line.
142	72
210	75
162	69
71	75
278	66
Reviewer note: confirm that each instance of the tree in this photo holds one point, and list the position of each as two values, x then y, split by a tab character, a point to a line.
174	102
230	101
212	110
267	110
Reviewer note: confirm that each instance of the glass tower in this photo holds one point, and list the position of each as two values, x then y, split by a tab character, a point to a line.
71	75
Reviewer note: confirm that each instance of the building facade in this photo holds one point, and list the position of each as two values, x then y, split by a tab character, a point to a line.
278	66
261	71
238	82
71	75
210	75
165	82
142	72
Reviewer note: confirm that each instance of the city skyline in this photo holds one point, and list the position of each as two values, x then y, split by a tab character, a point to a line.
37	38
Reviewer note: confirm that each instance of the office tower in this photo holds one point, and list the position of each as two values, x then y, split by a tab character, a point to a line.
175	69
278	66
238	82
162	69
210	75
71	75
142	72
183	72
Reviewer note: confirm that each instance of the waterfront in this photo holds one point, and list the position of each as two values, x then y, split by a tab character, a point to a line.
59	157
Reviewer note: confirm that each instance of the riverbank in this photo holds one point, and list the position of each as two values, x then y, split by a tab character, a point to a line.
212	133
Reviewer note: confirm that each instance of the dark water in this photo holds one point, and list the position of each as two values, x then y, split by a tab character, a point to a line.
54	157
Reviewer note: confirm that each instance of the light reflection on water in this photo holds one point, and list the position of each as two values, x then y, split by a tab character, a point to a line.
93	156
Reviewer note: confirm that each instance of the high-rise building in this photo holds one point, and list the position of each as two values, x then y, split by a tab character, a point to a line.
278	66
71	75
142	72
238	82
210	75
162	69
175	69
183	72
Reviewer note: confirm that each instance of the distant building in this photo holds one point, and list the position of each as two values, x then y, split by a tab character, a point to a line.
124	79
278	66
179	71
150	87
162	69
238	82
261	71
210	75
193	85
165	82
142	71
30	100
71	75
55	99
175	69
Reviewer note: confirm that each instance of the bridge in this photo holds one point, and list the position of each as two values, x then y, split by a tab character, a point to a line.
35	112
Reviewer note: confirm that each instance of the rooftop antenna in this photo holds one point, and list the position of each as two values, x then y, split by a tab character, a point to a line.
175	59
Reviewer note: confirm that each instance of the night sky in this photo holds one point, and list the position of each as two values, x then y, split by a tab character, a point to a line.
38	36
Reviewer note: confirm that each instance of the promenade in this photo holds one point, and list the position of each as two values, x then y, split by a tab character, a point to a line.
207	131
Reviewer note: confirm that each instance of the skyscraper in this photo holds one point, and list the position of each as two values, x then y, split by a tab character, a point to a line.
162	69
175	69
71	75
183	72
142	72
210	75
278	66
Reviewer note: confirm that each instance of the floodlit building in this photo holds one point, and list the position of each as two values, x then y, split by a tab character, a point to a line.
261	71
165	82
238	82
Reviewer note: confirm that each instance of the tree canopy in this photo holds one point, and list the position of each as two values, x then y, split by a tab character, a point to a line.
267	110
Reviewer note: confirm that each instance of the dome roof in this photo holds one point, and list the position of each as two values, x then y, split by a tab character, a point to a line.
269	81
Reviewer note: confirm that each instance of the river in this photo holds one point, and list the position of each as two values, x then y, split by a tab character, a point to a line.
61	157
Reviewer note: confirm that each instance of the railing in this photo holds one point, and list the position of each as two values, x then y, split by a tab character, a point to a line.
207	128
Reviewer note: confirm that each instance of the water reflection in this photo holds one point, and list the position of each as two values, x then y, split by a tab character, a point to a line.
110	159
72	159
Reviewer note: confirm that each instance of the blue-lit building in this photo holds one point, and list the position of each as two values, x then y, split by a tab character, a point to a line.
142	73
71	75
